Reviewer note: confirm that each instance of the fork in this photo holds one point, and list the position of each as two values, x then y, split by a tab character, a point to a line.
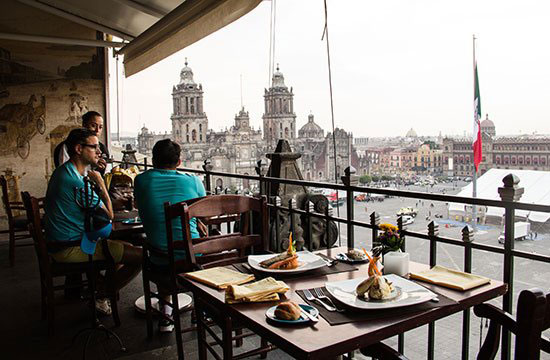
321	296
310	297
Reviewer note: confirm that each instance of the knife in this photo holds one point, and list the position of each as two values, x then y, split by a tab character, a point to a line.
306	314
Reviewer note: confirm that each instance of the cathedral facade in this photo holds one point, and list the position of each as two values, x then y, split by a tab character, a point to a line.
237	149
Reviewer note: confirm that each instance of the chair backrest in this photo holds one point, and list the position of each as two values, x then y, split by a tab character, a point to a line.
532	318
33	206
219	249
9	205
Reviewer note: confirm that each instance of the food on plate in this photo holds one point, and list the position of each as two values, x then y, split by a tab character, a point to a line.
285	261
288	310
355	254
376	287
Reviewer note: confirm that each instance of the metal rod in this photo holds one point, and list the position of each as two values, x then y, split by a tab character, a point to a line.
508	278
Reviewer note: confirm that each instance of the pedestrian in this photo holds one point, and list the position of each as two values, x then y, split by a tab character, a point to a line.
536	234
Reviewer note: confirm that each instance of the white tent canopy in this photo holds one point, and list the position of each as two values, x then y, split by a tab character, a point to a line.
536	186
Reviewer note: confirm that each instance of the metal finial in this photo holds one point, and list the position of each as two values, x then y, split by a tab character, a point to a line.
277	66
185	61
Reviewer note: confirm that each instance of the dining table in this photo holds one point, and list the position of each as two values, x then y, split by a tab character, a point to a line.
321	340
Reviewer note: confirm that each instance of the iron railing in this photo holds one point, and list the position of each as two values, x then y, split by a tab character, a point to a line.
509	193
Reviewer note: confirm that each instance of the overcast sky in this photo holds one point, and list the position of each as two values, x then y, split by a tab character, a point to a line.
396	64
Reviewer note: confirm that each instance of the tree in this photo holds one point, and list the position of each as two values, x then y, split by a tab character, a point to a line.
365	179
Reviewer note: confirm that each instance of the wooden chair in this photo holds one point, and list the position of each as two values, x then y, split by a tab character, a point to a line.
50	269
216	250
533	317
17	225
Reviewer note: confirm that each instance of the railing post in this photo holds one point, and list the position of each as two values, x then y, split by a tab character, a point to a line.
309	209
291	204
433	232
349	179
207	167
401	228
145	163
509	193
374	221
261	171
277	201
467	238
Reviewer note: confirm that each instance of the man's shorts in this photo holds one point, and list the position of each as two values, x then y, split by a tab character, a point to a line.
75	255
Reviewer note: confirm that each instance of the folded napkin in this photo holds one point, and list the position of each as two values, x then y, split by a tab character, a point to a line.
453	279
267	289
220	277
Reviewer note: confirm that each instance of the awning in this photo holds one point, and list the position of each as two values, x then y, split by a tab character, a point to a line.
188	23
155	29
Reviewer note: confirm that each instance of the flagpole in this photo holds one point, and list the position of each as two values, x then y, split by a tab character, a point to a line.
474	178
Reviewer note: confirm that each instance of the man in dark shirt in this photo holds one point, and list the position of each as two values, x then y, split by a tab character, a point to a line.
92	121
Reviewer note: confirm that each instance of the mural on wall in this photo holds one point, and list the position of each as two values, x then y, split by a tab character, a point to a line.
19	123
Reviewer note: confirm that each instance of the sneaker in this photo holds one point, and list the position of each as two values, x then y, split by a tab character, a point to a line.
103	306
166	326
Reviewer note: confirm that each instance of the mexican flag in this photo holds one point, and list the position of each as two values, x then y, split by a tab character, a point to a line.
477	118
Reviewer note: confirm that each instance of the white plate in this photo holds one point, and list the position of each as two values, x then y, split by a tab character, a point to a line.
307	260
411	293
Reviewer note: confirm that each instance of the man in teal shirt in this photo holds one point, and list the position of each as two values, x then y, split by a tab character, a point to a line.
65	218
155	187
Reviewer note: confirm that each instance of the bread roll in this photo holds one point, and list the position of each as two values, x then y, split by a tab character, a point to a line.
288	310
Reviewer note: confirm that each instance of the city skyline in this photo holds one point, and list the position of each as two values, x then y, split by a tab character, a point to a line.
404	83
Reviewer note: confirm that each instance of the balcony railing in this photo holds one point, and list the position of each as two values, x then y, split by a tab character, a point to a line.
509	193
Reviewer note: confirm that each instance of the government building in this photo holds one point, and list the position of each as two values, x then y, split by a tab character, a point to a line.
523	152
237	149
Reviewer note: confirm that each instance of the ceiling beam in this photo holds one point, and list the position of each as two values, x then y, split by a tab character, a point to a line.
60	40
146	9
77	19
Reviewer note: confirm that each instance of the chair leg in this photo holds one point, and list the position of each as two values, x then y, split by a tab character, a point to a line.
50	314
263	344
177	323
43	300
201	326
239	341
227	338
12	247
114	308
148	306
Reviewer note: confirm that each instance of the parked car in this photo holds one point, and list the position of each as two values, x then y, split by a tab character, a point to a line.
407	219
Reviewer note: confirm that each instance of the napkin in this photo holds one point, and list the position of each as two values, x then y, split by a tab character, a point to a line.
267	289
453	279
220	277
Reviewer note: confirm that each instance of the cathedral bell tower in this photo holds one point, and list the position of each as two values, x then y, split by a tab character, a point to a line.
189	121
279	117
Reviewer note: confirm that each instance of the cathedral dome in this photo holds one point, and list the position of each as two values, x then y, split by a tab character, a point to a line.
186	75
310	129
411	133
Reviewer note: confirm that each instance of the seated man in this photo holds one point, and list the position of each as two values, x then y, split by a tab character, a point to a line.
65	218
155	187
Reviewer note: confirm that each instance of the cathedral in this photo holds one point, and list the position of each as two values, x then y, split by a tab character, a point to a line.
237	149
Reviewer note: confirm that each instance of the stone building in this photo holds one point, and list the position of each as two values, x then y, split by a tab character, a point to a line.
236	150
527	152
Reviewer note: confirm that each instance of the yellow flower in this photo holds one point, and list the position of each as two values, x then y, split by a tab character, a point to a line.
388	227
